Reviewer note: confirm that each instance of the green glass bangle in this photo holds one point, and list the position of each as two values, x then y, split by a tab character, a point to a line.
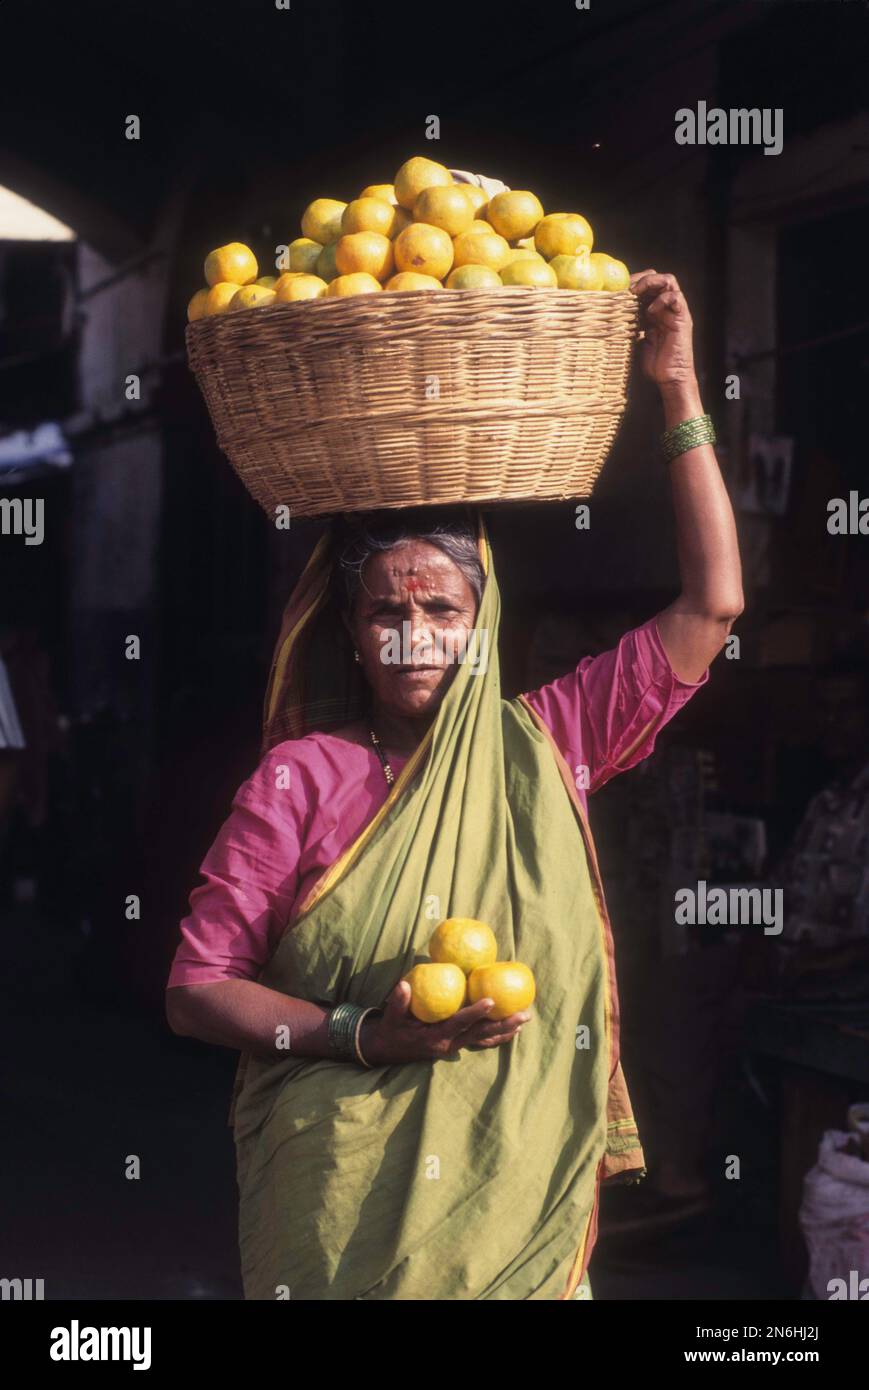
689	434
345	1023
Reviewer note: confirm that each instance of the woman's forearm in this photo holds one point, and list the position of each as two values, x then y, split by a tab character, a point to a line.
250	1017
709	565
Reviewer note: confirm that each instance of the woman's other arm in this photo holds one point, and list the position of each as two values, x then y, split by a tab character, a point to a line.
245	1015
694	628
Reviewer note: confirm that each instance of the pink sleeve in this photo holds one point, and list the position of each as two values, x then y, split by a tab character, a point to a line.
251	875
605	715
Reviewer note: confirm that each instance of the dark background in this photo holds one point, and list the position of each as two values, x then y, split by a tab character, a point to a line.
247	113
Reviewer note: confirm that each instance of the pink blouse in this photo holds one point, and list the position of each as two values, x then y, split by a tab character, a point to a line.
310	798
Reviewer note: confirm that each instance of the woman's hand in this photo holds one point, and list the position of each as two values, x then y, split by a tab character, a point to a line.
667	351
396	1036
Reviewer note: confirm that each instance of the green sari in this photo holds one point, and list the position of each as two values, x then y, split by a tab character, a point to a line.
476	1176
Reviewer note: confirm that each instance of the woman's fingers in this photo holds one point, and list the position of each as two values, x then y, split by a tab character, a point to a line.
639	275
649	283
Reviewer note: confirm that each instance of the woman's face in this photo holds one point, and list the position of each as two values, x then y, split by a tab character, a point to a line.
412	599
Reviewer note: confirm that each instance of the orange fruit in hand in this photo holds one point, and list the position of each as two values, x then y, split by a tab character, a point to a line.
508	982
365	251
415	175
427	250
465	942
437	991
234	263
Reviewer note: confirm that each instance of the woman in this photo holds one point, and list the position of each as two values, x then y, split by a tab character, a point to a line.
380	1157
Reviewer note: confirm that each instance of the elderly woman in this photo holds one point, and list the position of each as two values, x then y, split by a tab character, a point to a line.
380	1157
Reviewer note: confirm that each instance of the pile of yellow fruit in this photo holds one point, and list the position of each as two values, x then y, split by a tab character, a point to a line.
420	232
463	969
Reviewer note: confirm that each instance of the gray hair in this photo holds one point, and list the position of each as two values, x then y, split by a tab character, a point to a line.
356	541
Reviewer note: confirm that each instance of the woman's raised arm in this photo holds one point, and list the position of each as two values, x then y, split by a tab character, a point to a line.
694	628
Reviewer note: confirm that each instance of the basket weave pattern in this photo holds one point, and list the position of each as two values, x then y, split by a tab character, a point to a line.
402	399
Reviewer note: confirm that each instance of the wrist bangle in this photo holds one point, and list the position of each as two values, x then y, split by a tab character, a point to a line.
345	1021
689	434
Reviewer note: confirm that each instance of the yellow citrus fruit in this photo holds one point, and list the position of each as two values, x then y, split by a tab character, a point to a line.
326	266
368	251
402	219
563	234
267	280
415	175
321	220
508	982
427	250
252	297
465	942
368	215
410	280
234	262
447	208
437	991
386	191
614	274
198	306
577	272
524	253
220	296
515	213
303	254
537	274
475	196
287	275
475	248
524	243
357	282
293	287
473	277
477	227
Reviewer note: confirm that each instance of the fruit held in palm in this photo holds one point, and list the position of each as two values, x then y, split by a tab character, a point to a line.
508	982
437	991
563	234
427	250
234	263
465	942
417	174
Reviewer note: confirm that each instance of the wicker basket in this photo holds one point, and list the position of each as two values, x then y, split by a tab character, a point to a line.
403	399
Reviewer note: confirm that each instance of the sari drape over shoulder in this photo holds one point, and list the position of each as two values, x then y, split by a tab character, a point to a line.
475	1176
